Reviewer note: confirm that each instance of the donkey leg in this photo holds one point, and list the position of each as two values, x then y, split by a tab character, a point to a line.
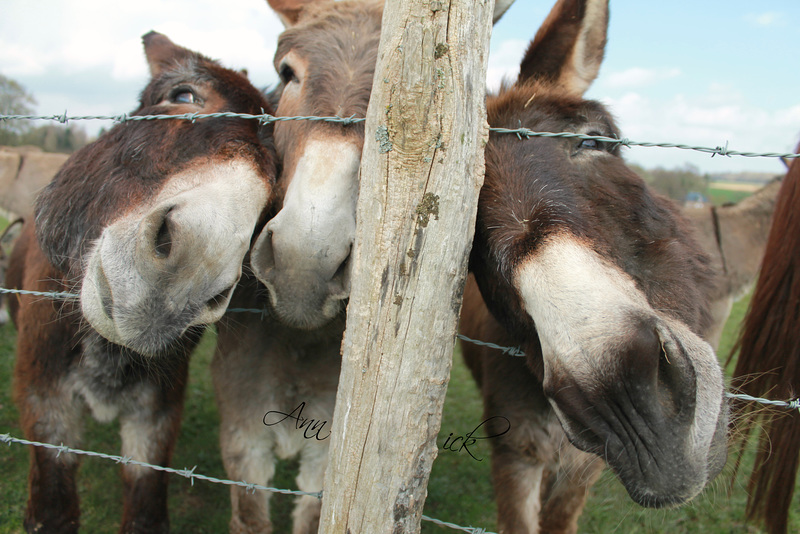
51	417
565	488
247	455
306	514
149	433
517	483
49	411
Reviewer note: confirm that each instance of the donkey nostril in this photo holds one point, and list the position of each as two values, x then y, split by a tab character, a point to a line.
220	298
163	243
263	255
106	298
341	271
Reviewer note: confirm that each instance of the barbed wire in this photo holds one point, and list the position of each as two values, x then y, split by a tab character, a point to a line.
127	460
792	404
56	295
513	351
471	530
526	133
122	118
718	150
8	439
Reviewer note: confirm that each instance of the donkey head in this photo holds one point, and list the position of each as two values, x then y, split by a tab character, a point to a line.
326	61
597	275
152	221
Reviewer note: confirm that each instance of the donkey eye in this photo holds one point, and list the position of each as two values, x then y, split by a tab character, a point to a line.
287	74
182	95
592	144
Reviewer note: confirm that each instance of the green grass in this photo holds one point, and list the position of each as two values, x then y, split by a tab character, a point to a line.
459	491
718	196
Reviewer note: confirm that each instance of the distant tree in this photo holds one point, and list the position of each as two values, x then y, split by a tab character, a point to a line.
675	183
14	100
55	138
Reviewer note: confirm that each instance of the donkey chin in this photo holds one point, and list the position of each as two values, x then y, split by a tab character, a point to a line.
301	300
656	416
155	273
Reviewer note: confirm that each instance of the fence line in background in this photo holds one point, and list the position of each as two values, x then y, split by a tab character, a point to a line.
266	118
191	475
513	351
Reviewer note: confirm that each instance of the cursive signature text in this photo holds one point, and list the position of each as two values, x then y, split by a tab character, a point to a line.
310	427
471	439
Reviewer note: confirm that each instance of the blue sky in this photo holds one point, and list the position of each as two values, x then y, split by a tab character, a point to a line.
701	72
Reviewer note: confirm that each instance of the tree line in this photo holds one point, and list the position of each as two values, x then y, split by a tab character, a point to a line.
16	100
675	183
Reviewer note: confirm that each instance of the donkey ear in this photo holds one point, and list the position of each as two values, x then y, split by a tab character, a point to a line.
288	10
162	53
568	48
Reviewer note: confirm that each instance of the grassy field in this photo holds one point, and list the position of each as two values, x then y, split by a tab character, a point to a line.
459	490
721	193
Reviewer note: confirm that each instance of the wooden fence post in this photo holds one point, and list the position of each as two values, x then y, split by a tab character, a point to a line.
421	172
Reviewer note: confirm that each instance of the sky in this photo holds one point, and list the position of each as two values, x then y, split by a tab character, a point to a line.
695	72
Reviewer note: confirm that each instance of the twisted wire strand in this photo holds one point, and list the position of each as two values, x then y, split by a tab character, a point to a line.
127	460
718	150
521	133
58	295
191	475
513	351
471	530
122	118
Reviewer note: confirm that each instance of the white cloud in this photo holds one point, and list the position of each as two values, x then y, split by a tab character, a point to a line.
128	62
639	77
504	62
766	19
718	116
85	58
19	60
83	36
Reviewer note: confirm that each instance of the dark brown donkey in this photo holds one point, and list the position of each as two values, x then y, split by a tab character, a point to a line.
769	361
150	225
598	280
290	362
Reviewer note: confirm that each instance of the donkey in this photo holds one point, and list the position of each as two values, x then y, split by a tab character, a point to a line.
150	225
289	363
599	281
734	236
769	361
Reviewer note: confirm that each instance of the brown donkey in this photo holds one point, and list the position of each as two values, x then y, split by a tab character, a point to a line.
150	225
598	280
769	360
290	361
734	236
